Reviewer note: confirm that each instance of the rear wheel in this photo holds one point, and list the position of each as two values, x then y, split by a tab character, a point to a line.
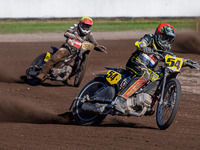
83	117
33	71
166	111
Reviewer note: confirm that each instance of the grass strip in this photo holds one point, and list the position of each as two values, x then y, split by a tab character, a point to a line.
100	25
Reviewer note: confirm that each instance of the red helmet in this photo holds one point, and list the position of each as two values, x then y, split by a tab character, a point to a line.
164	36
85	25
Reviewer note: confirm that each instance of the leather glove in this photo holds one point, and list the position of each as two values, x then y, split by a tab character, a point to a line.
101	48
147	50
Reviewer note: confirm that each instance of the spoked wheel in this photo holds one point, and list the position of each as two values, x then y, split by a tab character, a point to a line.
88	118
166	111
32	72
80	73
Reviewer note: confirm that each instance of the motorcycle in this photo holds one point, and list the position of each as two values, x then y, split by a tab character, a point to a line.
73	65
163	90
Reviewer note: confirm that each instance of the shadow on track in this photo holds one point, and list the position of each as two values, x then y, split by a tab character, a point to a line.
115	123
23	80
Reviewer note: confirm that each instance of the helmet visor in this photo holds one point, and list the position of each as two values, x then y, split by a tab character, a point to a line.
86	27
165	38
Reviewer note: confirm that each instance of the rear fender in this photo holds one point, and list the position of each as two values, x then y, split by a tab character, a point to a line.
108	68
55	49
105	75
115	86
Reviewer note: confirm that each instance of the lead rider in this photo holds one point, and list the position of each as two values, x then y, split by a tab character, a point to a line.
81	32
142	59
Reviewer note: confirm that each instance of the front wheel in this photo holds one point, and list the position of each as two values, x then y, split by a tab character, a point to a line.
166	111
83	117
80	74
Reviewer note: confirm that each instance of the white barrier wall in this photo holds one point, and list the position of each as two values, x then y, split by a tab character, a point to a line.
98	8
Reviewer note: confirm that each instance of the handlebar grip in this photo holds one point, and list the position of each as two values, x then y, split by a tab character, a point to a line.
192	64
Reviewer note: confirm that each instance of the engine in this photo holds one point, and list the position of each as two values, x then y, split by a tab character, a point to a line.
139	104
62	73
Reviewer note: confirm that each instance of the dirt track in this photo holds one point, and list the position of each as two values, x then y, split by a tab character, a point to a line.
28	117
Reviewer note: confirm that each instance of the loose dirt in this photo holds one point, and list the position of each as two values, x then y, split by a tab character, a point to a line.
28	114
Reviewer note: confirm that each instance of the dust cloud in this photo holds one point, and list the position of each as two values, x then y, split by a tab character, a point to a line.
5	77
26	112
187	43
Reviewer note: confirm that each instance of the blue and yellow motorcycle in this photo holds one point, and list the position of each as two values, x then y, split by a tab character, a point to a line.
163	90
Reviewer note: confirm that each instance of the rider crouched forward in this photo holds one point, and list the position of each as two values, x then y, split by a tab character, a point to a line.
80	32
142	59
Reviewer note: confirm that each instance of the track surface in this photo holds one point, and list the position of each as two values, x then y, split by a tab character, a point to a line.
28	117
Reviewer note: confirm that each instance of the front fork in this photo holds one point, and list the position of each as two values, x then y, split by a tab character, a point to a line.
163	87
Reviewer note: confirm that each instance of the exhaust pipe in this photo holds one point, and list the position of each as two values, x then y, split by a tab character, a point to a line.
96	108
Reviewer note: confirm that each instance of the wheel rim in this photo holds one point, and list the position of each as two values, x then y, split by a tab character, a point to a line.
166	108
82	115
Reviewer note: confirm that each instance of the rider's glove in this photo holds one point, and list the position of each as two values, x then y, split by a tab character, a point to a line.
194	64
100	48
147	50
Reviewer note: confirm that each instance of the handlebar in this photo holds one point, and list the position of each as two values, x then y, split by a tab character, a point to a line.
156	52
191	64
188	62
166	52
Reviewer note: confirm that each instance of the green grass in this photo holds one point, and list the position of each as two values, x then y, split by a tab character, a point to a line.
100	25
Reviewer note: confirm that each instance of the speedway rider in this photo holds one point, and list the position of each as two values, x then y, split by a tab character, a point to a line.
142	59
81	32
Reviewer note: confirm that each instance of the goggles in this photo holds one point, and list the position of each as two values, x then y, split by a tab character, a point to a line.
86	26
165	38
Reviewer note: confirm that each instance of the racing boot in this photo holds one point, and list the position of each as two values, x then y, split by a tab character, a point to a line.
119	104
48	66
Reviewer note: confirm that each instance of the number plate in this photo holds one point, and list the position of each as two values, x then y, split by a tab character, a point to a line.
173	63
87	46
47	57
113	77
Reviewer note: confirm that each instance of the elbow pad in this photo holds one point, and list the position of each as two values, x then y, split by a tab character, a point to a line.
140	44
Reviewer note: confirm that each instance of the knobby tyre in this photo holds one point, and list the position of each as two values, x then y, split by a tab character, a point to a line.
166	111
80	74
39	61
